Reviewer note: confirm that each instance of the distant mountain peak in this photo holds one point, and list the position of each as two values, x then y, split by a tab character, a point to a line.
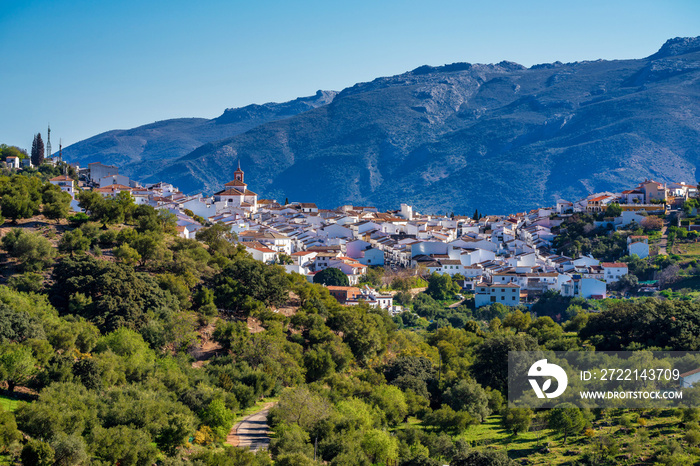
678	46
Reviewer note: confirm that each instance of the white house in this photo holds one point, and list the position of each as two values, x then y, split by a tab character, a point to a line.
372	256
690	378
373	298
260	252
614	271
638	245
115	179
98	171
12	161
66	183
587	288
507	294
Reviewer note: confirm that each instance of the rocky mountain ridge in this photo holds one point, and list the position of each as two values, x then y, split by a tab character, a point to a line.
499	137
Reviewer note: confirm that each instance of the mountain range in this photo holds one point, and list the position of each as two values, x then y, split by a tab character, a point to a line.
497	137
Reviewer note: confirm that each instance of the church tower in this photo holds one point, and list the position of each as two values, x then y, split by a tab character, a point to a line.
238	174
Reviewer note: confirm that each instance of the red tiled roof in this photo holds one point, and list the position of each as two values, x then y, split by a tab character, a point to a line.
612	265
113	188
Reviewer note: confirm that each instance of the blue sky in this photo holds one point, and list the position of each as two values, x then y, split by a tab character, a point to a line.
91	66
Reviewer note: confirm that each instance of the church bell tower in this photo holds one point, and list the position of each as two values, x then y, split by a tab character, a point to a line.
238	174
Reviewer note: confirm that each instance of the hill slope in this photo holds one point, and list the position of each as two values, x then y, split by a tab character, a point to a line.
134	150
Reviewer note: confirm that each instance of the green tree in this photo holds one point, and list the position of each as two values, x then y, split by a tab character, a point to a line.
218	237
440	287
17	365
126	254
12	151
331	277
302	407
246	279
56	203
380	446
18	205
490	366
33	251
566	419
373	277
88	372
69	450
73	241
26	282
9	434
517	420
447	419
613	210
468	395
482	458
218	417
391	402
37	453
123	445
37	153
291	438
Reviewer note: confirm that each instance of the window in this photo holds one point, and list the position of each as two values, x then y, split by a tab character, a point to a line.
493	299
503	298
513	298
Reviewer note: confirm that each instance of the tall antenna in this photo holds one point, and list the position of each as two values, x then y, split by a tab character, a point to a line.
48	144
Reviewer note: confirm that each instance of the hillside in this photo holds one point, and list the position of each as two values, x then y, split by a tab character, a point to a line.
498	137
135	150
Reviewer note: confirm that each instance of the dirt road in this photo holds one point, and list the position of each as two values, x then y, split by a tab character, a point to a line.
252	432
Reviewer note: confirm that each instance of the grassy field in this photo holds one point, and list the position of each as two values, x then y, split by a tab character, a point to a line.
545	447
687	250
8	404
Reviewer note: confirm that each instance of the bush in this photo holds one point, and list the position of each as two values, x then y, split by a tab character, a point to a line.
27	282
331	277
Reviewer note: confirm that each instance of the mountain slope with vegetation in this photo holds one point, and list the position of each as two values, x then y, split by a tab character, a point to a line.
499	138
138	151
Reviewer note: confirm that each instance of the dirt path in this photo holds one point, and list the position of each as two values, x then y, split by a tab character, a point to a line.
252	432
664	239
207	349
457	304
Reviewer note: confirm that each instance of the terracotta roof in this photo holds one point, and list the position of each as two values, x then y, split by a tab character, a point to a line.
611	265
62	178
694	371
112	188
302	253
450	262
235	183
599	198
249	193
229	192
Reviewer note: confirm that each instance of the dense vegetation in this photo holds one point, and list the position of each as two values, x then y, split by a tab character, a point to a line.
103	319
